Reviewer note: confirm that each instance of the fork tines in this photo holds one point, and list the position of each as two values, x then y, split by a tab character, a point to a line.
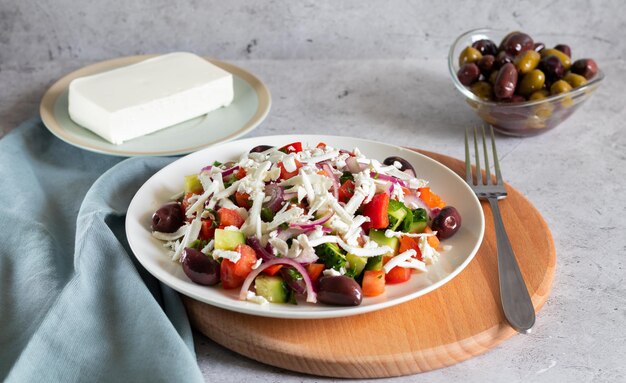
488	180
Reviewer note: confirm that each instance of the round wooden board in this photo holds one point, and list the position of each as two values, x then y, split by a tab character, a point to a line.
461	319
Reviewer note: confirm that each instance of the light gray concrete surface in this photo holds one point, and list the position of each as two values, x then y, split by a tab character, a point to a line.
377	70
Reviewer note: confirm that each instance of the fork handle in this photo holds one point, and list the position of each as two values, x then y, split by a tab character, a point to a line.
516	303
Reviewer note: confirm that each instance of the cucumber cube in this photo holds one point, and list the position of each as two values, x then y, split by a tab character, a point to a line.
228	239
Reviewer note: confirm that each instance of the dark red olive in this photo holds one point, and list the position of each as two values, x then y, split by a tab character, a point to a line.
516	43
502	58
538	47
447	222
339	291
565	49
552	67
260	148
404	164
200	268
515	98
506	81
168	218
468	74
485	47
585	67
486	64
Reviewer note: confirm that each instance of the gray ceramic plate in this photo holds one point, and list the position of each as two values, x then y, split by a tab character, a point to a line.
249	108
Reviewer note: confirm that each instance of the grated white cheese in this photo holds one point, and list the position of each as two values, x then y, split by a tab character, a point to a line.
290	163
252	297
391	233
429	255
171	236
395	261
257	264
331	273
209	247
193	230
232	256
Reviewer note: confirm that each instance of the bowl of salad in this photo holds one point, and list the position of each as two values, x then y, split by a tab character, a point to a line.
304	226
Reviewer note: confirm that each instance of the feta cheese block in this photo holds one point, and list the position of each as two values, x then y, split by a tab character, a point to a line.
132	101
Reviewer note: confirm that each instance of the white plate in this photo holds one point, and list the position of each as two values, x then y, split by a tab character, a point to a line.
168	181
249	108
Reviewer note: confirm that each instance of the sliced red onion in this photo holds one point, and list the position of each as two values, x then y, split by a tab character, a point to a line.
206	168
230	171
385	177
415	200
262	252
353	165
310	293
296	285
289	196
312	224
334	178
327	229
276	194
434	212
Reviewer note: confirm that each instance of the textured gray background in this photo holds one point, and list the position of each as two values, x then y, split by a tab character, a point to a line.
377	69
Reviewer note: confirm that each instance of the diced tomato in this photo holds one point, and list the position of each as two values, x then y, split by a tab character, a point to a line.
207	231
376	210
373	282
294	147
398	275
284	174
346	191
314	270
321	145
407	243
272	270
431	199
243	200
233	274
185	204
229	217
240	173
228	277
433	241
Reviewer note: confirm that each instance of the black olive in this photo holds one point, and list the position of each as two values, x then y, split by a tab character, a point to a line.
405	165
339	291
168	218
260	148
447	222
200	268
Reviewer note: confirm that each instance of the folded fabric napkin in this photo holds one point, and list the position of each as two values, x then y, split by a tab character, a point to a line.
74	303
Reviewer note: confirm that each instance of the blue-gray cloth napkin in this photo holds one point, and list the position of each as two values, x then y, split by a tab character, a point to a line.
74	303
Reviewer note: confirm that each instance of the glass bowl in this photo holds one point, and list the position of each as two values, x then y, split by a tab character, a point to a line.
520	119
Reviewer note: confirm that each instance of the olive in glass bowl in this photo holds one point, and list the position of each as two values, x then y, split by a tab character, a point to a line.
535	105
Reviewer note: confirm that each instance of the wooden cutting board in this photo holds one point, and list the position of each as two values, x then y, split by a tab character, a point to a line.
461	319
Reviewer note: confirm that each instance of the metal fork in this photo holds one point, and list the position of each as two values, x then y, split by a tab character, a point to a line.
516	304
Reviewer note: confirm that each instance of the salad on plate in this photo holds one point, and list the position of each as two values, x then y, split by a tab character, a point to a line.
298	223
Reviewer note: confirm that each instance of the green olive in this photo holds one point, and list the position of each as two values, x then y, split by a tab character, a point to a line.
559	87
532	81
527	61
493	76
483	90
469	55
575	80
565	60
539	95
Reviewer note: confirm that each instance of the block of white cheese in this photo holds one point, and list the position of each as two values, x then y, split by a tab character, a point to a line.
141	98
